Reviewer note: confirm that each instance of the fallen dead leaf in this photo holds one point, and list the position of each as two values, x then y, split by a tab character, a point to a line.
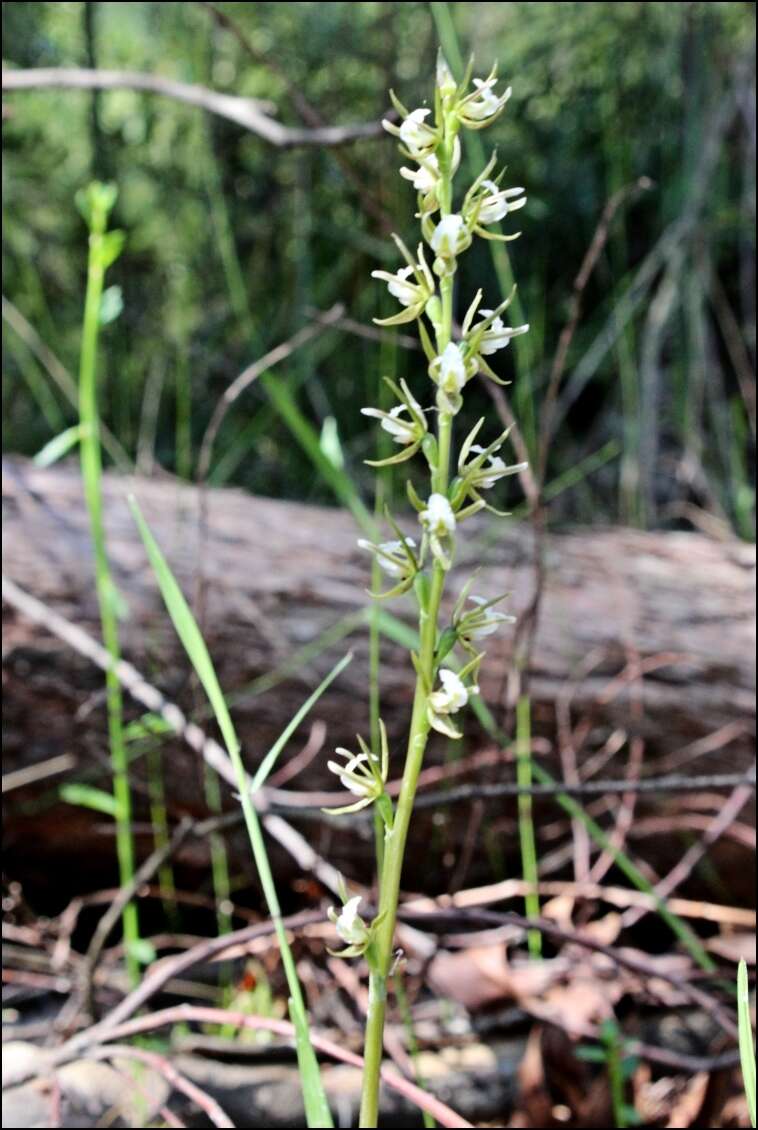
482	975
732	947
688	1105
578	1005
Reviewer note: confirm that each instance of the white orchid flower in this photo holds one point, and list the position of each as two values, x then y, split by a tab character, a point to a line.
446	84
438	521
495	203
438	518
497	335
394	422
481	621
449	699
406	423
450	371
426	177
417	137
352	774
450	237
350	927
453	695
404	286
391	555
412	285
482	106
494	468
364	774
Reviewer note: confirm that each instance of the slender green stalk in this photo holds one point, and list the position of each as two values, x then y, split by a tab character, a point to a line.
615	1068
103	248
217	847
525	821
405	1012
159	821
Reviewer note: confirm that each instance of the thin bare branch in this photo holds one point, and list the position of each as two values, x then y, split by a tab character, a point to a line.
196	1013
250	113
172	1076
326	320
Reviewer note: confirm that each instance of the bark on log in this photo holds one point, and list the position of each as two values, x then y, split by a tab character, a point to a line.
280	575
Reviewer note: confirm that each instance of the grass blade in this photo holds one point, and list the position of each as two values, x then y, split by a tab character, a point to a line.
316	1107
58	446
747	1052
270	759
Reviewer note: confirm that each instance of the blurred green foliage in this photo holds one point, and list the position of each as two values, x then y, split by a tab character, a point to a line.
231	242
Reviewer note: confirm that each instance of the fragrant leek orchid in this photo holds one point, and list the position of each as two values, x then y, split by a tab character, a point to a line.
458	476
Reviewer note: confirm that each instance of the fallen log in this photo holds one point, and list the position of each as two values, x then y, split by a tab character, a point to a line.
281	579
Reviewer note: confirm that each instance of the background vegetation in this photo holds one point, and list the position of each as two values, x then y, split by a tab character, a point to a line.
231	244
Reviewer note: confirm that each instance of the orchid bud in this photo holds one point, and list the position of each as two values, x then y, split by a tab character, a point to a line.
446	84
438	522
450	237
450	372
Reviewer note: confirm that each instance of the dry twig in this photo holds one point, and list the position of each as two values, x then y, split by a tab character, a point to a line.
250	113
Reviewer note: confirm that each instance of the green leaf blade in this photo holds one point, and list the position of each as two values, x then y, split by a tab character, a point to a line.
58	446
747	1051
186	628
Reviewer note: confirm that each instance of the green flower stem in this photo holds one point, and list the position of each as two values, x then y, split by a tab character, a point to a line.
91	463
396	837
525	819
